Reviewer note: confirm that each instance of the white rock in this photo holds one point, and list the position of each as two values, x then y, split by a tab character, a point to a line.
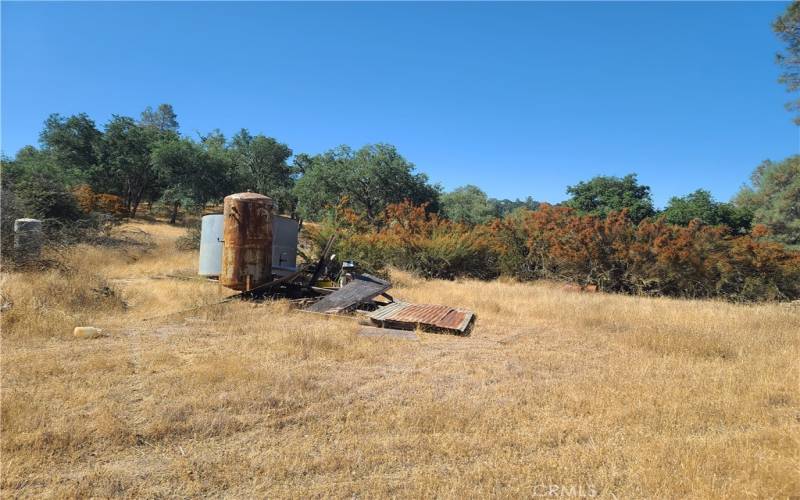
87	332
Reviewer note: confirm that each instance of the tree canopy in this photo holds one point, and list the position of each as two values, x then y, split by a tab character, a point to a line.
125	167
71	141
603	194
148	160
467	204
700	205
163	118
787	27
188	174
261	165
506	207
774	198
370	178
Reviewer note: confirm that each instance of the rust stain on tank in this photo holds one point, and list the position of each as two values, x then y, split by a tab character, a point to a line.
247	241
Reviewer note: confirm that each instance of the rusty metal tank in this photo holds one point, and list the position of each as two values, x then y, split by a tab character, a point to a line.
246	241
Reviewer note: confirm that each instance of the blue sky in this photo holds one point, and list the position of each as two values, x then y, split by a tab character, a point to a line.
518	98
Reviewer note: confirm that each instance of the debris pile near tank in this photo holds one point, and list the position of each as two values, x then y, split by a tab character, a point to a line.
359	296
367	296
241	245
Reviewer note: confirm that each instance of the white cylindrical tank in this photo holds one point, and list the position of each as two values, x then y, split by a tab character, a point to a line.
27	239
211	245
284	245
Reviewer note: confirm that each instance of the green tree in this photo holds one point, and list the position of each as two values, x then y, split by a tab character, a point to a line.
774	198
38	186
214	140
261	165
125	166
506	207
163	119
221	162
787	27
9	207
701	205
188	173
467	204
72	141
604	194
371	178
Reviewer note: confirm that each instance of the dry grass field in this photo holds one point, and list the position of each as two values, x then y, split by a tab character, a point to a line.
553	394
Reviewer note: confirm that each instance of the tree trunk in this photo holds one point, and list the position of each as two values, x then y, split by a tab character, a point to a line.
134	208
128	199
174	215
136	201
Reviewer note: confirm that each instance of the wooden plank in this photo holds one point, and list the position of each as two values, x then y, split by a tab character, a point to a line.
322	259
362	289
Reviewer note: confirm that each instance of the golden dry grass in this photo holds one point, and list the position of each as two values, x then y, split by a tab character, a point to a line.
587	393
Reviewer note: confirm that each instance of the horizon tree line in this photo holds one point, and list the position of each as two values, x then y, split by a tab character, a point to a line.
148	161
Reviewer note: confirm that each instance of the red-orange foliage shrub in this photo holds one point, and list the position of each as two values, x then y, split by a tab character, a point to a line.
409	238
432	246
652	257
89	201
110	204
613	253
85	197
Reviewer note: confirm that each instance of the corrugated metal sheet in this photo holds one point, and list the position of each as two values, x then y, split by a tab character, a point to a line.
362	289
409	316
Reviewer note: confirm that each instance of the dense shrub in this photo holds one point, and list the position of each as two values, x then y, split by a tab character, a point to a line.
652	257
410	238
612	252
9	212
191	240
433	247
66	215
84	197
89	201
42	194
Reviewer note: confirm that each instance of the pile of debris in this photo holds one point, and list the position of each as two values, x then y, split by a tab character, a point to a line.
360	296
363	295
253	251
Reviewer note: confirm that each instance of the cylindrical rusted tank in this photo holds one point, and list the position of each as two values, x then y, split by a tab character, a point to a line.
247	241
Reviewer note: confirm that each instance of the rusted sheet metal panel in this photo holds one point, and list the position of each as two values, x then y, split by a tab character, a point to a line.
409	316
362	289
247	241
